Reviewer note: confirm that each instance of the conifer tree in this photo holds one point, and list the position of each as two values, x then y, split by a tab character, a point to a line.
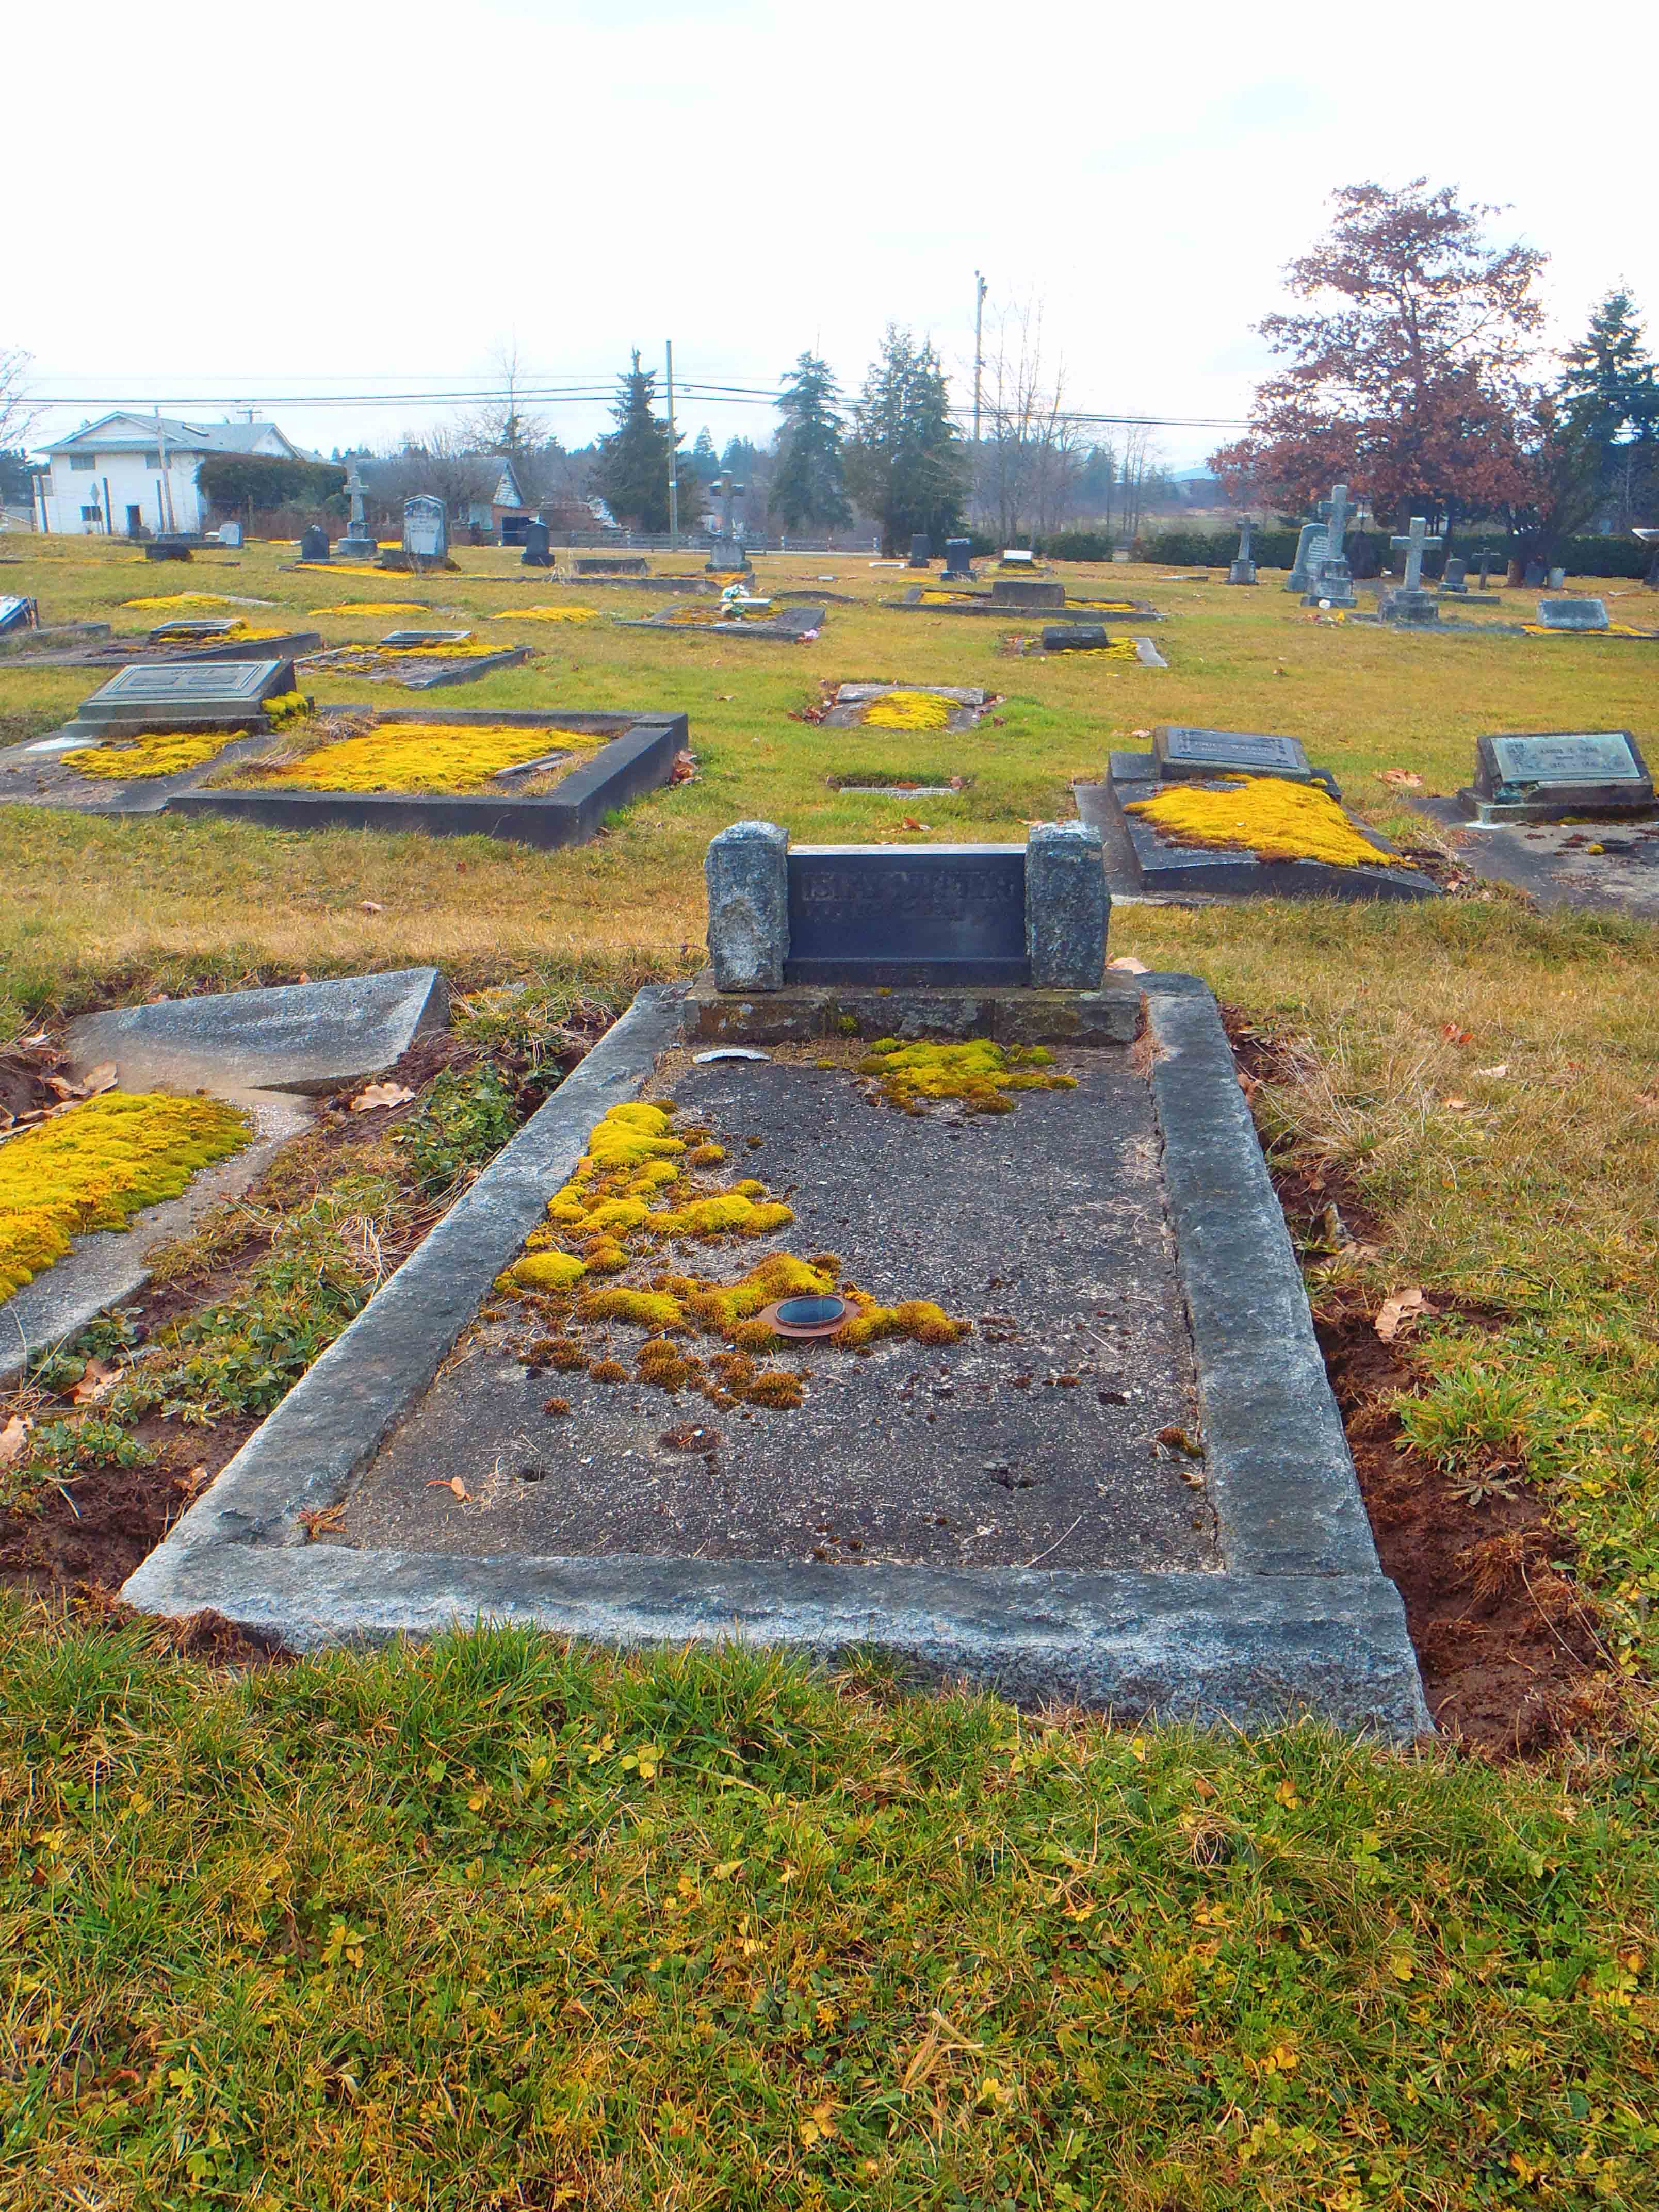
905	462
1610	385
632	475
809	479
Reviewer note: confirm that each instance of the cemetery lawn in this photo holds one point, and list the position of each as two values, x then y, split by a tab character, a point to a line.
493	1924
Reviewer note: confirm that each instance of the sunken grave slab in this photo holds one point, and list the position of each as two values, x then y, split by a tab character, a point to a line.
311	1038
1545	775
38	773
1599	864
966	703
1243	1587
638	758
787	626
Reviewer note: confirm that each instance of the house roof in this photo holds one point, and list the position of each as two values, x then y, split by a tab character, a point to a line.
120	432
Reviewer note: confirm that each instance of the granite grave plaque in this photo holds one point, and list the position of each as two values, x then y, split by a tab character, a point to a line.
1542	775
409	637
914	914
224	695
1572	614
1182	750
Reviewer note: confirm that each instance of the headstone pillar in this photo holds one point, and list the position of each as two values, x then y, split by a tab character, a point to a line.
746	870
1067	906
1243	568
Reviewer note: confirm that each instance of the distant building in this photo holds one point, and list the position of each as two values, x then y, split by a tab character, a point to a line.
108	479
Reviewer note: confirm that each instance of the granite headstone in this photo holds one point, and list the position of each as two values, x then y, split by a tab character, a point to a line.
313	542
1572	614
1544	776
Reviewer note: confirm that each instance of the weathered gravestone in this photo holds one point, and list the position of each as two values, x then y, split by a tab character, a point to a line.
1547	775
1572	614
196	631
922	915
167	549
1242	570
18	614
226	695
1028	592
1456	576
726	556
610	564
359	543
922	550
956	562
426	529
230	533
1075	637
1649	537
1411	603
1309	552
536	544
1533	575
313	542
1330	582
1182	750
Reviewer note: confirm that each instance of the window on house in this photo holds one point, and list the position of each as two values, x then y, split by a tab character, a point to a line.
153	460
84	462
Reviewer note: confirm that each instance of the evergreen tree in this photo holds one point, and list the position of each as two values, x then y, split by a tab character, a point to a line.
905	462
705	456
809	478
1610	388
739	458
632	475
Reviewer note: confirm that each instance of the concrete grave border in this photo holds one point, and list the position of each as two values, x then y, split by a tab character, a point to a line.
639	759
1302	1618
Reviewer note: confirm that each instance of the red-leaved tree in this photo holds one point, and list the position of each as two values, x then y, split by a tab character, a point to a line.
1405	370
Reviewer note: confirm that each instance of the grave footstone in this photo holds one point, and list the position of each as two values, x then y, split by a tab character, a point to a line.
18	614
426	530
1242	570
1547	775
416	637
186	631
889	917
359	543
1572	614
313	542
922	550
536	544
957	563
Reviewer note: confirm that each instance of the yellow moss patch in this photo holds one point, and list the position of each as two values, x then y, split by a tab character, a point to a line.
548	614
649	1309
916	1317
96	1167
545	1270
183	599
907	710
1266	815
1120	649
1612	630
287	706
978	1073
158	752
418	756
375	607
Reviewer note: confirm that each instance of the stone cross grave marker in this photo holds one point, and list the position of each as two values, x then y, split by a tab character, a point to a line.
1415	541
1410	603
925	915
1331	581
358	544
1243	568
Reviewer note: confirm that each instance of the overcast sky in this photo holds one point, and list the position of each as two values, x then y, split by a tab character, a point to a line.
217	205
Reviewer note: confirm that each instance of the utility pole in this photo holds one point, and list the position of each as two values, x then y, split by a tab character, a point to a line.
980	288
166	481
673	473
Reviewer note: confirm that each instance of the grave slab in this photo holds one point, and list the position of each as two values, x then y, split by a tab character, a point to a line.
111	1268
413	674
787	626
37	774
1572	614
145	697
1599	866
966	703
311	1038
1545	775
638	758
1151	1258
920	599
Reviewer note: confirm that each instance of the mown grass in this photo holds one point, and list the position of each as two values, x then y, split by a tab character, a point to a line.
492	1924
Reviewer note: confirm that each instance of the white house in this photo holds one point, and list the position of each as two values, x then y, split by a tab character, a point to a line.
108	477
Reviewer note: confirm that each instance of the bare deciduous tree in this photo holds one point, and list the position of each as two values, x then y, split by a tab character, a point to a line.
1032	457
17	415
502	425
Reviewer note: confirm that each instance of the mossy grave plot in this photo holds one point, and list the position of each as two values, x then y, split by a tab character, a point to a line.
1064	1427
914	709
709	617
422	660
995	1388
542	779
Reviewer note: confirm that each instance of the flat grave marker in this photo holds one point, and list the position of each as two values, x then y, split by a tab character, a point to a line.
1545	775
1573	614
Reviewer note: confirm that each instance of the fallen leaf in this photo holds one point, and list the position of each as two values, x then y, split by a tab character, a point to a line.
455	1483
98	1378
1176	1439
381	1094
1453	1035
193	1481
1494	1074
909	822
1404	1306
61	1086
1404	779
370	906
683	769
956	783
1455	1105
100	1079
13	1437
1127	964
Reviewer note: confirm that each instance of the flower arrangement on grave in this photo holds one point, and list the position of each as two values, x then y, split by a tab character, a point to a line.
1265	815
415	756
548	614
977	1073
907	710
640	1190
97	1165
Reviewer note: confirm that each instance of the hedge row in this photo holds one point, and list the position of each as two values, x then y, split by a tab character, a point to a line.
1369	551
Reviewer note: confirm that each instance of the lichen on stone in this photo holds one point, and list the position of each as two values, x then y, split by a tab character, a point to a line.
99	1164
977	1073
1266	815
